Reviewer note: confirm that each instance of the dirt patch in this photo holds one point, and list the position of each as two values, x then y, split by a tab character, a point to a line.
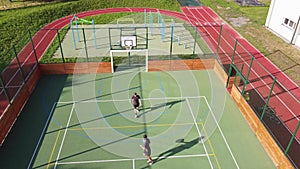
249	3
4	5
238	22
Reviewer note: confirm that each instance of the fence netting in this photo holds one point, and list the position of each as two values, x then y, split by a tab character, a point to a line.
274	104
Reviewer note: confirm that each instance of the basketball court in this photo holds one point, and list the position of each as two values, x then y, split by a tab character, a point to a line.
92	125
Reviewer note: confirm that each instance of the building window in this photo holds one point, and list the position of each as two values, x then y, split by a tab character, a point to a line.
289	23
286	21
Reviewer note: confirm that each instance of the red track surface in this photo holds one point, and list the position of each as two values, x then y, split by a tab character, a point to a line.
286	106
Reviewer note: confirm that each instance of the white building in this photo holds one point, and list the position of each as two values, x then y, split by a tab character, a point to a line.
284	20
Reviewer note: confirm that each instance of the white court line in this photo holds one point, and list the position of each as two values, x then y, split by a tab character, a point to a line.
133	160
227	145
120	100
65	133
119	160
41	136
199	133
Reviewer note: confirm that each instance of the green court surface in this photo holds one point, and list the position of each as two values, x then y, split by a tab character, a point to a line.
87	121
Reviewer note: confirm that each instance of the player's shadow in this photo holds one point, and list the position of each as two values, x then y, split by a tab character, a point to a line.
168	104
89	121
183	146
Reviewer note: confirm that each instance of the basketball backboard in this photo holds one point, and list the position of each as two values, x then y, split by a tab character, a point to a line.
128	41
136	37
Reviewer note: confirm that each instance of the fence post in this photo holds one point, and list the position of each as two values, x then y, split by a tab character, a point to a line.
267	101
242	68
60	47
231	63
250	66
219	39
244	88
234	49
84	40
19	65
109	39
244	83
4	90
293	136
33	48
195	40
171	43
147	37
228	76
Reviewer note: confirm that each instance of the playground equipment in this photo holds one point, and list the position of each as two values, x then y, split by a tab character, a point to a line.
162	25
76	20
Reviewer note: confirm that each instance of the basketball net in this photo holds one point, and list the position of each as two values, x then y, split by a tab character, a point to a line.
128	48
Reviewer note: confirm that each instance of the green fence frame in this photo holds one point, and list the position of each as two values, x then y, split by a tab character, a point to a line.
239	74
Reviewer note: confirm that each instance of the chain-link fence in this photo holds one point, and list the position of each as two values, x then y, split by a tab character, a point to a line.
275	104
15	75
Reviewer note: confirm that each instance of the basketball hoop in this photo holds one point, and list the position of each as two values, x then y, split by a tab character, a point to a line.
128	42
128	47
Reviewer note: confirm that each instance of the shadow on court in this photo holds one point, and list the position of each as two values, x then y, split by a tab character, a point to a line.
168	104
75	81
89	121
92	149
183	146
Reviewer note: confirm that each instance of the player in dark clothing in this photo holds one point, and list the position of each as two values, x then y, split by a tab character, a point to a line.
136	101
